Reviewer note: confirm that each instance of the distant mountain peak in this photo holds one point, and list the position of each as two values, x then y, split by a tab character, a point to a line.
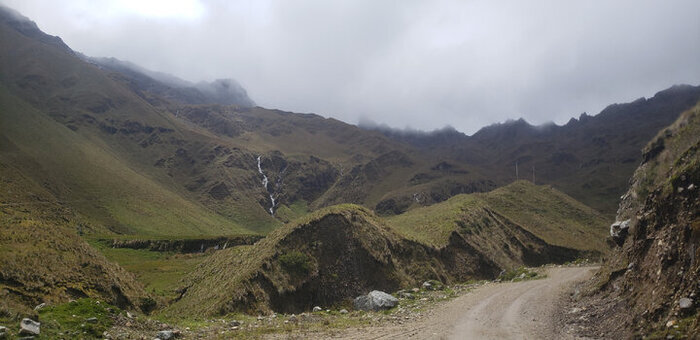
29	28
220	91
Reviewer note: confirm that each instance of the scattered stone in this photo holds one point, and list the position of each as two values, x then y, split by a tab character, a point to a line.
40	306
522	276
91	320
427	285
317	309
415	290
293	319
234	323
691	187
343	311
29	327
630	266
3	332
375	300
406	295
129	315
670	323
685	304
619	230
574	310
168	334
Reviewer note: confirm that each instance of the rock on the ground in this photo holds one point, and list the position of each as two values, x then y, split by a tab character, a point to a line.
685	303
168	334
427	285
3	332
91	320
317	309
40	306
375	300
29	327
343	311
234	323
619	230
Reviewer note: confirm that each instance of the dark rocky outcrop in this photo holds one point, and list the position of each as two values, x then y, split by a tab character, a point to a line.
645	287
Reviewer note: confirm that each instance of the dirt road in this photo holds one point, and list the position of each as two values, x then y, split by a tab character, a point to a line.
514	310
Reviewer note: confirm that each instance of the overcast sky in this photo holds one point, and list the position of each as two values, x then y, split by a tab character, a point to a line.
418	64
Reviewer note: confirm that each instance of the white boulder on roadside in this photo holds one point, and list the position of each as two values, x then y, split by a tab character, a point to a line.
29	327
376	300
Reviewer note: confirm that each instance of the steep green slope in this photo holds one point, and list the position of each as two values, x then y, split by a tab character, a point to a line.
97	183
551	215
98	144
42	256
540	211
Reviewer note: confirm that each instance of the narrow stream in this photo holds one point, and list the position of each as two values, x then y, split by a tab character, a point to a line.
265	183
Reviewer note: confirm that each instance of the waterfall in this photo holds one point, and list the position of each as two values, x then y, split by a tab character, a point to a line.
265	183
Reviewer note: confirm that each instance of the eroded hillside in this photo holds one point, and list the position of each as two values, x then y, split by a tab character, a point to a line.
338	253
650	284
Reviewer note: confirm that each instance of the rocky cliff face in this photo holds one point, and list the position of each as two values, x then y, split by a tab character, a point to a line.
651	283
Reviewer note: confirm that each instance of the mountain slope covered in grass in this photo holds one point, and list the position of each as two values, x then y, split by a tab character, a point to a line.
535	215
43	259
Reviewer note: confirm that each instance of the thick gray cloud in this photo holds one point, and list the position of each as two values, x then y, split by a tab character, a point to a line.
423	64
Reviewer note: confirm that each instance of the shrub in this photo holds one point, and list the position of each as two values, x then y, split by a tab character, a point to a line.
147	305
295	263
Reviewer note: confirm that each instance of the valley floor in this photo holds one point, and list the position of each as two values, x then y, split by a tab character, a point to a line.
512	310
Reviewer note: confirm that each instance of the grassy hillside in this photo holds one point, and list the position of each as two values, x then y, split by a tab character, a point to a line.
44	259
96	182
332	255
540	210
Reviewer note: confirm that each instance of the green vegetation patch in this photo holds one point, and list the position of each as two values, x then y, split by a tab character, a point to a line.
295	263
159	272
541	210
83	318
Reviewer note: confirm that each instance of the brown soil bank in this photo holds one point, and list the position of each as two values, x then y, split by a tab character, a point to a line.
334	255
638	292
